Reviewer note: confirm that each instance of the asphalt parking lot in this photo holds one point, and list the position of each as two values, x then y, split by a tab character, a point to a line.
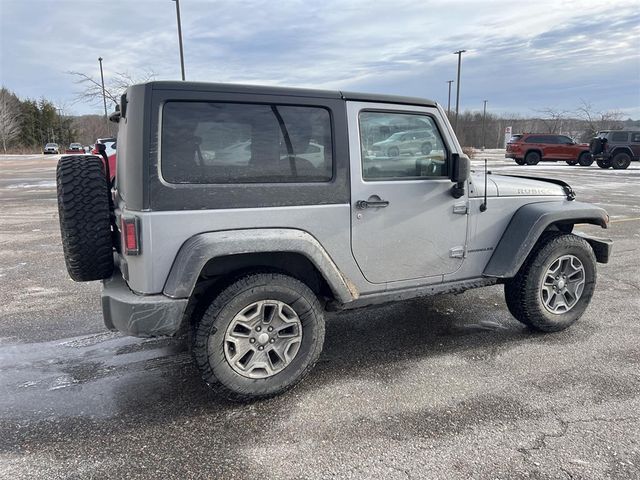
447	387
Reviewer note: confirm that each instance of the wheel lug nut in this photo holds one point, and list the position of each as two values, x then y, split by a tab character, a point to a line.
272	340
270	329
260	348
258	329
252	340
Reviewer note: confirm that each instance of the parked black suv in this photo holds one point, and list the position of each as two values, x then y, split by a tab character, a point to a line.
616	148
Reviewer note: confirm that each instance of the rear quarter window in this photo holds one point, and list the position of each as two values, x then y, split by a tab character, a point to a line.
222	143
619	137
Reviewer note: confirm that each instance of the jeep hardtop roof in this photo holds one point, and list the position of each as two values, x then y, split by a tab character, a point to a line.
288	91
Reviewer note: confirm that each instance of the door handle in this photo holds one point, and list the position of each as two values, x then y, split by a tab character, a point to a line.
362	204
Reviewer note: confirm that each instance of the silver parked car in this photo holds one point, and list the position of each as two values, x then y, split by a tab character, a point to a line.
242	214
51	148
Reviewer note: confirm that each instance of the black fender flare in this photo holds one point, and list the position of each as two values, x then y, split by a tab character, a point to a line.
529	222
626	150
199	249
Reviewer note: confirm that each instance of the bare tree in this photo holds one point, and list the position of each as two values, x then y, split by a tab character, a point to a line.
553	119
596	121
91	88
9	117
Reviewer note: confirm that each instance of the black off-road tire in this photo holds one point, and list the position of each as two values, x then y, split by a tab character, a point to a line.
523	292
532	158
85	225
585	159
621	161
604	163
520	161
209	336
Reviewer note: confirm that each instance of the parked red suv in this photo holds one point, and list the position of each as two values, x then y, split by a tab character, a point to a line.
531	148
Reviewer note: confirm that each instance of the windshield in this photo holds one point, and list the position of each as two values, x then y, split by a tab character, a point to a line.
52	145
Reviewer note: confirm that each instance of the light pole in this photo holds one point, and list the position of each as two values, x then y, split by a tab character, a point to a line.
459	53
484	116
104	97
449	101
180	37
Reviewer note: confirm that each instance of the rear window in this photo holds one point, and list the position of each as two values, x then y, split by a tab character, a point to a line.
619	136
515	138
215	142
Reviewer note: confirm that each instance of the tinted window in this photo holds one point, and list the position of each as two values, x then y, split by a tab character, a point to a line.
515	138
619	136
212	142
563	139
635	137
396	146
534	139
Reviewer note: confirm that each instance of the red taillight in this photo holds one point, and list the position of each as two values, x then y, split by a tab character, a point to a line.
130	237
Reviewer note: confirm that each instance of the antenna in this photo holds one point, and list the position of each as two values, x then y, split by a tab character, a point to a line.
483	206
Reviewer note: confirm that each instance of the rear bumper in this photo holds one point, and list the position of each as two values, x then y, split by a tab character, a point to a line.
139	315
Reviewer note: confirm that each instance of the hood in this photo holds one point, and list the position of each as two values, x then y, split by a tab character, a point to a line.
515	186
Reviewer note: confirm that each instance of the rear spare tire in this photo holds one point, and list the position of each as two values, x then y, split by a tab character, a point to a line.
85	223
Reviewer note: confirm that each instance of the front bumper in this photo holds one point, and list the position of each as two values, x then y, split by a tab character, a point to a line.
139	315
510	155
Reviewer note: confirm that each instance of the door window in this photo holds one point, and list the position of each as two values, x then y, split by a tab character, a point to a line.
400	146
635	137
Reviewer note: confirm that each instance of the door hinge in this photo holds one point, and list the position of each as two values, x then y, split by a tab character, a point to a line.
456	252
460	208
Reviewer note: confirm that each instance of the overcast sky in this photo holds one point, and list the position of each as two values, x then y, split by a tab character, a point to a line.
521	56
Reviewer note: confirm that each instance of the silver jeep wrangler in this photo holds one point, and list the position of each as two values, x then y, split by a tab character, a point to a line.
241	214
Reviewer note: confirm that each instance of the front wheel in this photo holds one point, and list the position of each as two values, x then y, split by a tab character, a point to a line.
555	285
393	152
520	161
602	163
585	159
572	162
259	337
620	161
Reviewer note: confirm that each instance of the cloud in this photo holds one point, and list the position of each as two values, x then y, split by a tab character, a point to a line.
520	56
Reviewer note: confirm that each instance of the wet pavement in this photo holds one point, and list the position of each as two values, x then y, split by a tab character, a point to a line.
446	387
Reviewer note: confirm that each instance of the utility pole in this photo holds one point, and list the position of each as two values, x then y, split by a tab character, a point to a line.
449	101
459	53
104	97
484	117
180	37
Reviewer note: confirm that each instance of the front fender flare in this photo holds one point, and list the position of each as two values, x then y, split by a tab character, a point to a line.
526	226
199	249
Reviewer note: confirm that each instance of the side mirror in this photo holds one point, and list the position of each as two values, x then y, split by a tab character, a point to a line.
460	168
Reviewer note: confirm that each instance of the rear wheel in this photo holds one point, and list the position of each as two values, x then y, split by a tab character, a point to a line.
585	159
555	285
393	152
85	217
602	163
259	337
620	161
532	158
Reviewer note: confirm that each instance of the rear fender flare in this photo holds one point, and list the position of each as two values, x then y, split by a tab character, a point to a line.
200	249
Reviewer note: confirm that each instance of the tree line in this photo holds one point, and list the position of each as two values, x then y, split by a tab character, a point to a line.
581	124
27	125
